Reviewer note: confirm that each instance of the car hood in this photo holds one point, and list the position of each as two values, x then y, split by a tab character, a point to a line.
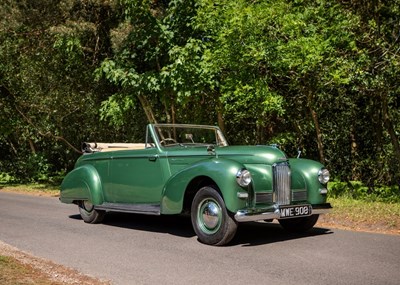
252	154
242	154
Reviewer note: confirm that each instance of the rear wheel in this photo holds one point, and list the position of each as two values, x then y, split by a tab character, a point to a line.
210	218
89	214
299	225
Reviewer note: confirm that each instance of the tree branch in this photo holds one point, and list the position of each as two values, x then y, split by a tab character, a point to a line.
48	134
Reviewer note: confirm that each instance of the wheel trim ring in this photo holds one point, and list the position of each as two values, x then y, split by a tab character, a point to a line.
209	216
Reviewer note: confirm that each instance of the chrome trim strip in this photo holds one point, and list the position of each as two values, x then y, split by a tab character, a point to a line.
250	216
148	209
273	213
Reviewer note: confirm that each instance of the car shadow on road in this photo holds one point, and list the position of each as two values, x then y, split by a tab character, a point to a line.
248	234
259	233
178	225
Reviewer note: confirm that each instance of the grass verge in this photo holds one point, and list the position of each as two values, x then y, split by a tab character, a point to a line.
359	215
32	189
19	268
13	272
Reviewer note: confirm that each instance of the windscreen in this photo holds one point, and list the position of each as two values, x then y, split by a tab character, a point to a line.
189	136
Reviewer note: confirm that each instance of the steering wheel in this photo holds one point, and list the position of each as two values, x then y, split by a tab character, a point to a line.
164	141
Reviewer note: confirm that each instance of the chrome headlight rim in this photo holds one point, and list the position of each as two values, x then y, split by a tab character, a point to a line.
323	175
243	177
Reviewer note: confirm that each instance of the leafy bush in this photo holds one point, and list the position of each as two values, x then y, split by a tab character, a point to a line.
359	191
34	168
6	178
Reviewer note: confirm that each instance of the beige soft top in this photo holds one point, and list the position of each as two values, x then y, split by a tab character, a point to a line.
89	147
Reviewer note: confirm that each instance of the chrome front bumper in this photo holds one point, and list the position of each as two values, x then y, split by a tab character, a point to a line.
252	215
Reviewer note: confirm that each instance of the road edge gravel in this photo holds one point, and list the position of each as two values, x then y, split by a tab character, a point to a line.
53	271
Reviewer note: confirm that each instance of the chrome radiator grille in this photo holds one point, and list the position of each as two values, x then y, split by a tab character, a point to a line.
281	184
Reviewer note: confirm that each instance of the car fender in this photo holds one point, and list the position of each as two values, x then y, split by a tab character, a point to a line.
309	170
82	183
221	171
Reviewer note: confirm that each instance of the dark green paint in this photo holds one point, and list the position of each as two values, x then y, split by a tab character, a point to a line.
161	176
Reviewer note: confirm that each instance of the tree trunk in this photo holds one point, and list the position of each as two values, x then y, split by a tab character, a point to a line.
314	116
32	146
220	117
173	113
166	110
147	109
354	153
12	147
390	129
319	136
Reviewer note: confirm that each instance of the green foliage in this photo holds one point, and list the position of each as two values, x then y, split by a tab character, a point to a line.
48	96
358	190
6	178
320	76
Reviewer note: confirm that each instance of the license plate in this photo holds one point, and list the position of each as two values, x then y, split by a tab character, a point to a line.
295	211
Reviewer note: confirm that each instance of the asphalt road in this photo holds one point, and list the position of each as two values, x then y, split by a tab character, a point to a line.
135	249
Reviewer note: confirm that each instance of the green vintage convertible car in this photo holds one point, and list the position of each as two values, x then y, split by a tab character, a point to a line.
192	169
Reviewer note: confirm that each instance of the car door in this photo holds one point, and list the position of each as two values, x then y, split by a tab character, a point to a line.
135	176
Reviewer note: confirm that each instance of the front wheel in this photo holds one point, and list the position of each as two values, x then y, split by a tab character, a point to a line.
210	218
89	214
299	225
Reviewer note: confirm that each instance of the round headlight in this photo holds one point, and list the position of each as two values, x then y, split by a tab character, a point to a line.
323	175
243	177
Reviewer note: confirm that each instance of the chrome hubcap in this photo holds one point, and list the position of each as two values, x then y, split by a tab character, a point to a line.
87	206
209	216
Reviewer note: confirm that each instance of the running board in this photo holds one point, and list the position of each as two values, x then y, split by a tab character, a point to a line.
148	209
